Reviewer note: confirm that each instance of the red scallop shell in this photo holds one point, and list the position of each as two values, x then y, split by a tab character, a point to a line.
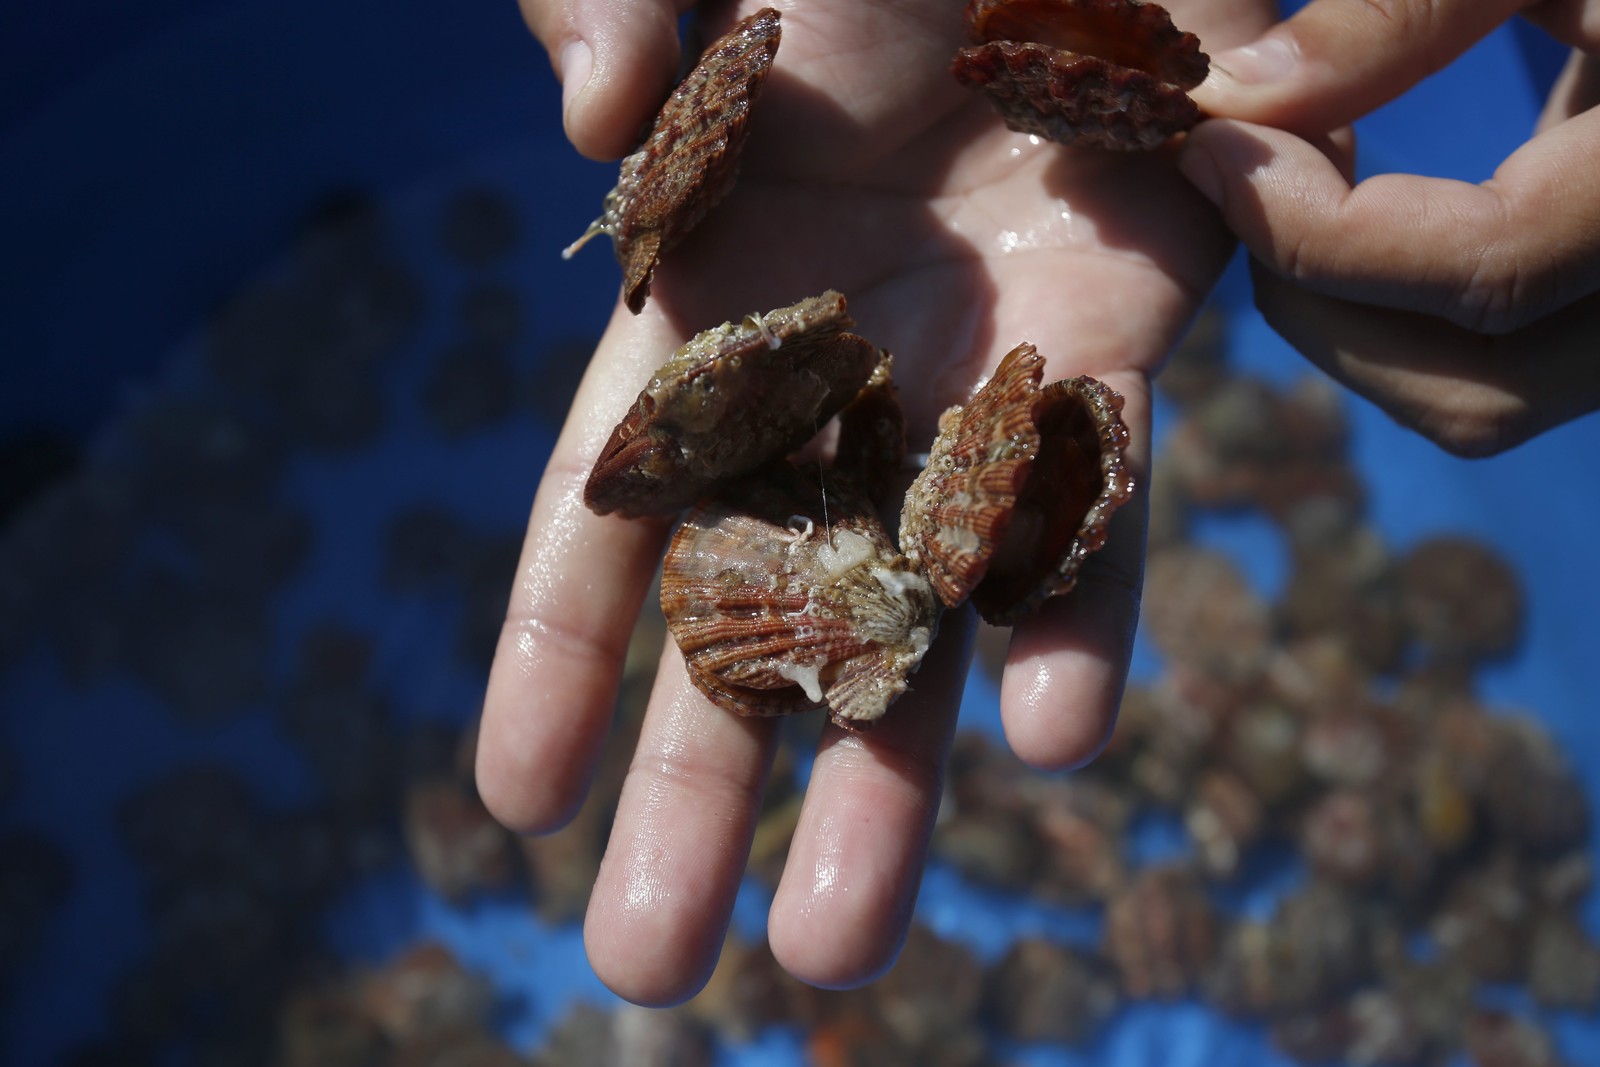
1108	73
1019	489
690	160
785	593
957	511
1126	33
730	400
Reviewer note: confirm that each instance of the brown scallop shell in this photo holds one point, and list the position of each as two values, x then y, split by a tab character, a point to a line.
785	593
731	399
872	433
1108	73
1126	33
690	160
1018	490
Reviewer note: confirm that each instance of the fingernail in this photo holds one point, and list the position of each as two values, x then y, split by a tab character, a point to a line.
1200	167
1268	60
577	63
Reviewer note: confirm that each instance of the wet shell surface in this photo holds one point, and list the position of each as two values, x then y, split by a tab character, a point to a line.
1107	73
783	601
690	160
1019	489
731	399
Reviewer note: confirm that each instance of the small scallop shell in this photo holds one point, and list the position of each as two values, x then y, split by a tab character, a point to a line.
785	593
1107	73
958	509
691	158
1019	489
872	433
735	397
1126	33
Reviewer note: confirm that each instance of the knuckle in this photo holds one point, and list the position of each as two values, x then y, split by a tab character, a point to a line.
1391	11
1476	421
1293	261
1404	16
694	779
1496	296
904	766
597	645
1419	21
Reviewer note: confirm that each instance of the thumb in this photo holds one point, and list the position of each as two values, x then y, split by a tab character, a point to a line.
1336	60
616	60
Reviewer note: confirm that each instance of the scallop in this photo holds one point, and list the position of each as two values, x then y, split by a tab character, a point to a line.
1019	489
785	593
1106	73
690	160
730	400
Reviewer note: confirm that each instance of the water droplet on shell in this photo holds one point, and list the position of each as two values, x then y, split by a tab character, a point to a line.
1019	489
690	160
1107	73
781	604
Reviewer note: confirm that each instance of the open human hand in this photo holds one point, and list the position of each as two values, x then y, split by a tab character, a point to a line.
1470	312
869	170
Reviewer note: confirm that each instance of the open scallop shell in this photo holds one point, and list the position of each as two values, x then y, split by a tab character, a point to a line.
690	161
1108	73
1019	489
783	601
731	399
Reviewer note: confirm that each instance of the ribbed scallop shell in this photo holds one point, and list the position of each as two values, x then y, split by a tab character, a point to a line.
1019	489
731	399
959	508
1108	73
781	602
691	158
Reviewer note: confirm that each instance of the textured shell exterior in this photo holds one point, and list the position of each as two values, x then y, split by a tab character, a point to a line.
691	158
731	399
1078	482
1106	73
1072	99
1019	489
959	508
1126	33
782	605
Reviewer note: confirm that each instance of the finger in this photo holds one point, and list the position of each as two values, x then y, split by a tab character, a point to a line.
578	588
1576	90
616	60
844	903
1067	665
1336	60
1489	257
1473	394
1572	22
678	848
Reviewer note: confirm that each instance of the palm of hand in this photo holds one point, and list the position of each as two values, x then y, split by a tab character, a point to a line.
952	237
953	240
